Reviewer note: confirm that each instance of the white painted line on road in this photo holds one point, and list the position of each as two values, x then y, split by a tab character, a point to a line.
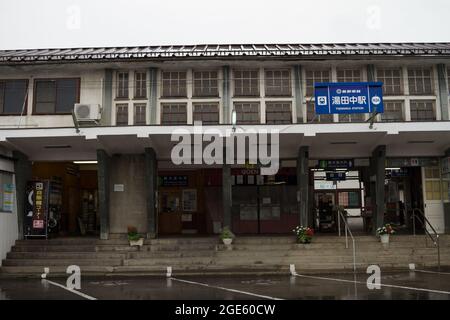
382	285
226	289
81	294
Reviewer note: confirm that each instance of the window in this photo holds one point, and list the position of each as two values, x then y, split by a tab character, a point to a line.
173	113
140	85
353	117
122	85
349	199
140	114
393	111
174	84
419	81
392	81
422	110
315	76
122	114
207	113
349	75
448	79
435	188
312	117
6	191
56	96
12	96
205	84
278	83
247	112
246	83
278	112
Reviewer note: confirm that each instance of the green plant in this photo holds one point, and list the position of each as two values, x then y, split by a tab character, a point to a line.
226	233
386	229
304	234
133	235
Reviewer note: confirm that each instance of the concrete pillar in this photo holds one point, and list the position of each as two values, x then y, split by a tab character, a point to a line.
377	193
23	173
443	91
371	73
298	91
226	95
153	94
151	184
226	195
303	184
103	175
107	98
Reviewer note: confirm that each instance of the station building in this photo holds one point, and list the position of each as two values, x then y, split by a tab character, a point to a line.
96	125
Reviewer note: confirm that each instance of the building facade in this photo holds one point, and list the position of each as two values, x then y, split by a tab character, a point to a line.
117	171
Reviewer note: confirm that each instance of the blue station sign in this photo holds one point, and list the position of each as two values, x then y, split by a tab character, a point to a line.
348	97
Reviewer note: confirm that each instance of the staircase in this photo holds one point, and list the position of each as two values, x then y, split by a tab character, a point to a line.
247	255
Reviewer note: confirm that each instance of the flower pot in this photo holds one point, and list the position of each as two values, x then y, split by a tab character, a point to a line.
384	238
139	242
227	241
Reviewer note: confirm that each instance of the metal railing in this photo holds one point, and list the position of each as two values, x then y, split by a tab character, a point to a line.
425	224
347	232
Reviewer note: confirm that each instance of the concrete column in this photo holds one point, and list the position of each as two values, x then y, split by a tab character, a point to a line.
303	184
153	94
107	98
226	95
443	91
151	184
377	194
298	91
371	73
226	195
103	175
23	173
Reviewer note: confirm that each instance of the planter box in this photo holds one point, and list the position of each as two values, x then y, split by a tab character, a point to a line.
138	243
227	241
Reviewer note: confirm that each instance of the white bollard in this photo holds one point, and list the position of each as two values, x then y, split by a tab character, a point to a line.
412	266
46	271
292	269
169	272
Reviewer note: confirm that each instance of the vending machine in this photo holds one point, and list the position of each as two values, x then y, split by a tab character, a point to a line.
36	209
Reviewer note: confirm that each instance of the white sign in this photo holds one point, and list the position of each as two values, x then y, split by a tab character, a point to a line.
119	188
324	185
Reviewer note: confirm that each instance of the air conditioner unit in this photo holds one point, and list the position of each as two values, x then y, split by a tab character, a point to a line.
87	112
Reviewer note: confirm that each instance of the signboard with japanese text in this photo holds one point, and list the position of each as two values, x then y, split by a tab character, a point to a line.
336	176
336	164
36	212
174	181
348	97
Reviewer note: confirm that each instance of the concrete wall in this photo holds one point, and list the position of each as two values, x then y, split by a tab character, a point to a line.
127	207
9	231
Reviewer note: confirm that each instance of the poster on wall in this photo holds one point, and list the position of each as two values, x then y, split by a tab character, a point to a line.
8	197
36	210
190	200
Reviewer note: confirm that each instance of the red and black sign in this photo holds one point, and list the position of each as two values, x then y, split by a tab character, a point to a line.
36	210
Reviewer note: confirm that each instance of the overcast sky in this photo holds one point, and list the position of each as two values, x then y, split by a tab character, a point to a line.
87	23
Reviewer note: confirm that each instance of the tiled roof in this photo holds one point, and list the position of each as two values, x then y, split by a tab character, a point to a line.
211	51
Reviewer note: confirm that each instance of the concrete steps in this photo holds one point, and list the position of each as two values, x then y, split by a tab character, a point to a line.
206	255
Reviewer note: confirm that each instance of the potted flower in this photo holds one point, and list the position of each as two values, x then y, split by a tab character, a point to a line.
227	236
134	237
303	234
384	233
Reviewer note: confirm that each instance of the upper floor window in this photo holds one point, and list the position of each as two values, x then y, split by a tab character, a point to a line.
420	81
393	111
205	84
12	96
423	110
278	82
278	112
140	114
174	84
349	75
122	114
207	113
122	85
352	117
392	81
315	76
311	115
173	113
140	85
55	96
246	83
247	112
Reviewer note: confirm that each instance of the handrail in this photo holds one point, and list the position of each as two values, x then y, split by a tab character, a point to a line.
347	231
425	222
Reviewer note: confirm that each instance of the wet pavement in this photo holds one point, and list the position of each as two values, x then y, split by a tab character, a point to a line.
400	285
